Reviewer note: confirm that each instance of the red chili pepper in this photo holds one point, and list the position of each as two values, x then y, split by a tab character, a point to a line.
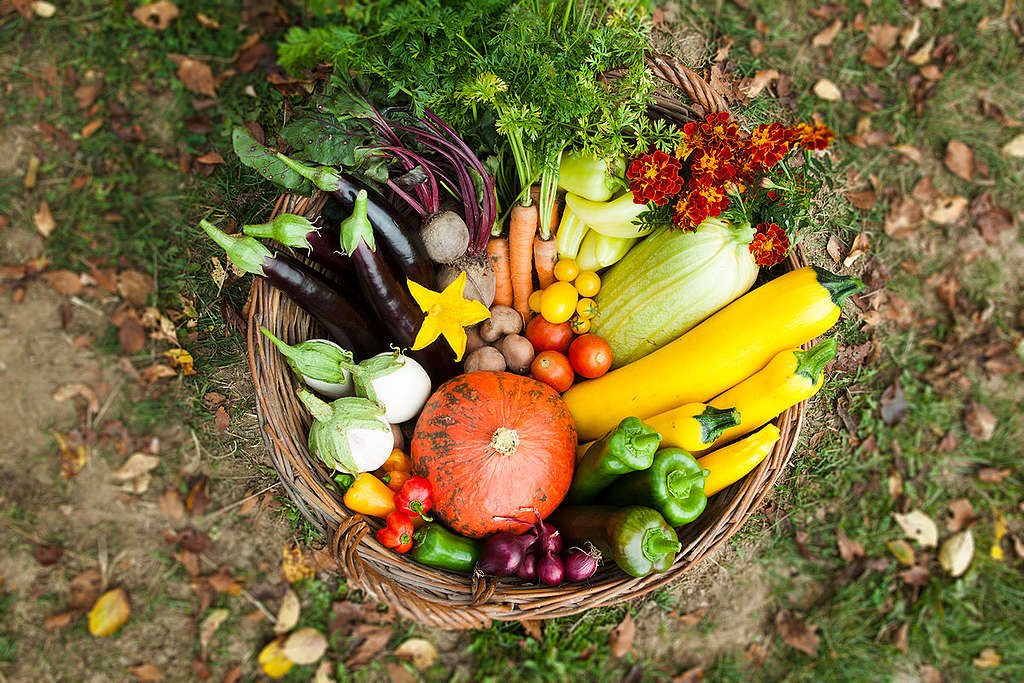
414	497
398	532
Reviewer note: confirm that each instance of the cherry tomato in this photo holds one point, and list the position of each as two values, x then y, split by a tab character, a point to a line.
566	270
547	336
534	301
590	355
558	302
554	369
579	325
586	309
588	283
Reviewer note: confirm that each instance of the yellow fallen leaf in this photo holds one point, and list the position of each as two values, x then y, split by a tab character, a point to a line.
273	661
988	659
420	651
827	90
1000	530
294	565
288	613
956	553
109	613
180	358
71	461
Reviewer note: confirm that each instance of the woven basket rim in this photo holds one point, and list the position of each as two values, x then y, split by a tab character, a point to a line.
446	599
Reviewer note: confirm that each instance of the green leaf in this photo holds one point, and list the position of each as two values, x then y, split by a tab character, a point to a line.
322	140
265	162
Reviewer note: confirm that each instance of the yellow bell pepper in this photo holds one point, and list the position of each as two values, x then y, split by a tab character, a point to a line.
731	463
368	495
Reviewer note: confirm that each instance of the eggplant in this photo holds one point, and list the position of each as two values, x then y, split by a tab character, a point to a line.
307	288
403	247
299	232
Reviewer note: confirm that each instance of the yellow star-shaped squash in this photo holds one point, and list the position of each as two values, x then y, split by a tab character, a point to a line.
447	314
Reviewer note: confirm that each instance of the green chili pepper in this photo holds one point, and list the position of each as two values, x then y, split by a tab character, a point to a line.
673	485
637	538
435	546
627	448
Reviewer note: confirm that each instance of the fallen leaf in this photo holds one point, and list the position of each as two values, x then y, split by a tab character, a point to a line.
47	555
927	672
916	576
827	90
908	36
918	526
32	174
190	561
90	128
895	482
993	475
999	530
171	505
372	640
864	199
622	636
956	552
947	210
756	654
222	582
849	549
420	651
134	286
196	76
198	495
109	613
961	515
834	248
693	618
902	551
825	37
692	675
193	540
875	56
883	36
86	94
288	613
899	637
211	622
988	659
1015	147
43	9
43	219
294	566
980	422
211	158
138	464
72	459
157	15
960	160
147	672
904	217
894	405
52	622
272	659
218	274
992	220
69	391
221	419
180	358
154	373
759	82
85	589
859	247
323	672
797	633
534	628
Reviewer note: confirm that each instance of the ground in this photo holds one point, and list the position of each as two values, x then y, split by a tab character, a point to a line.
103	272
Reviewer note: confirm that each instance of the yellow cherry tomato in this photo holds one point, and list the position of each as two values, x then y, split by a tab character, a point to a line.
534	300
588	283
566	270
579	325
586	309
558	302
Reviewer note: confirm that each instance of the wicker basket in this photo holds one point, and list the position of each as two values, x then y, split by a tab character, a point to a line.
446	599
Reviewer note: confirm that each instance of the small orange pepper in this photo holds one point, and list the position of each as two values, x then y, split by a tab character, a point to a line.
397	461
395	479
368	495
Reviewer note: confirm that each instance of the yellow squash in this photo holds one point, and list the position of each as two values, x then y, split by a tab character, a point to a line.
719	353
794	375
731	463
693	426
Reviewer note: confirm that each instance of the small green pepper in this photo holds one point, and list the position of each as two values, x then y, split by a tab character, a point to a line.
637	538
435	546
673	485
627	448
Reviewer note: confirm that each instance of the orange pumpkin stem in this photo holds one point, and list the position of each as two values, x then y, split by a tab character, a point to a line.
505	441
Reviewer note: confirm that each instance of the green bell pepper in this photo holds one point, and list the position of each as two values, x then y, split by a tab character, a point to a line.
627	448
673	485
435	546
637	538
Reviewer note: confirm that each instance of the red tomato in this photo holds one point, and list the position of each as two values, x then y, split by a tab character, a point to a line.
552	368
547	336
590	355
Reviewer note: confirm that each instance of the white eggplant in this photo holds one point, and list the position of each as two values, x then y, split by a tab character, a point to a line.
322	365
396	382
349	434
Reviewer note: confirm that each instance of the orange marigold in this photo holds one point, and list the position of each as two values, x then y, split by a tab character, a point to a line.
690	210
715	196
812	137
713	165
768	144
770	244
654	178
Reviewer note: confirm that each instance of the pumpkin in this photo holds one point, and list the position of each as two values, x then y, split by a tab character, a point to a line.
494	445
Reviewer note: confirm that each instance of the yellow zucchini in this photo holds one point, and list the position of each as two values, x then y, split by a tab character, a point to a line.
792	376
719	353
731	463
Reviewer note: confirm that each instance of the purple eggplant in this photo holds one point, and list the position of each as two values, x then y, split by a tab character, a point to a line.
306	288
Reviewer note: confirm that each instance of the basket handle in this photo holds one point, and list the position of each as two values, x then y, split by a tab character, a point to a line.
670	70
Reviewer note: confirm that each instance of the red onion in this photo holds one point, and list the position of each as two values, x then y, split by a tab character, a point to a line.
528	567
550	570
503	553
580	564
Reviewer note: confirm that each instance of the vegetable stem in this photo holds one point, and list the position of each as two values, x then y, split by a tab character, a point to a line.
243	251
356	228
656	544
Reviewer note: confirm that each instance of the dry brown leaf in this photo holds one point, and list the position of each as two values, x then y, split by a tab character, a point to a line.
756	654
132	338
90	128
918	526
899	637
909	35
622	636
43	219
947	210
691	675
759	82
198	495
925	191
69	391
171	505
57	621
211	622
138	464
372	640
931	72
894	405
294	566
221	419
960	160
211	158
85	589
916	576
992	220
988	659
72	458
87	93
192	540
834	248
956	553
135	286
927	672
420	651
288	613
154	373
910	152
534	628
1014	148
864	199
109	613
218	274
827	90
883	36
47	555
825	37
875	56
857	249
64	281
190	561
147	672
904	217
797	633
197	77
849	549
157	15
924	53
222	582
961	515
980	422
993	475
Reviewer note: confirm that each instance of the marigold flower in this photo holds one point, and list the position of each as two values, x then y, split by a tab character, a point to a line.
715	196
770	244
654	178
768	144
715	130
813	136
713	165
690	210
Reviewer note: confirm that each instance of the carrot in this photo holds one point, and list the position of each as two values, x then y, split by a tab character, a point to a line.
497	253
522	226
545	253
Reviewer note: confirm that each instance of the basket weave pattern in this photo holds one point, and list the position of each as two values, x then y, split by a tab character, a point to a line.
446	599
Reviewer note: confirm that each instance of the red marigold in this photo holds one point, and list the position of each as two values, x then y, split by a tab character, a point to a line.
715	130
809	136
691	209
768	144
713	165
715	196
654	178
770	244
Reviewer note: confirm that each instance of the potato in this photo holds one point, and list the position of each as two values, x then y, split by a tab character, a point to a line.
518	353
473	340
485	358
504	320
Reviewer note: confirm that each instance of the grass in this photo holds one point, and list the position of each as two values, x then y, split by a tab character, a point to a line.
837	484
